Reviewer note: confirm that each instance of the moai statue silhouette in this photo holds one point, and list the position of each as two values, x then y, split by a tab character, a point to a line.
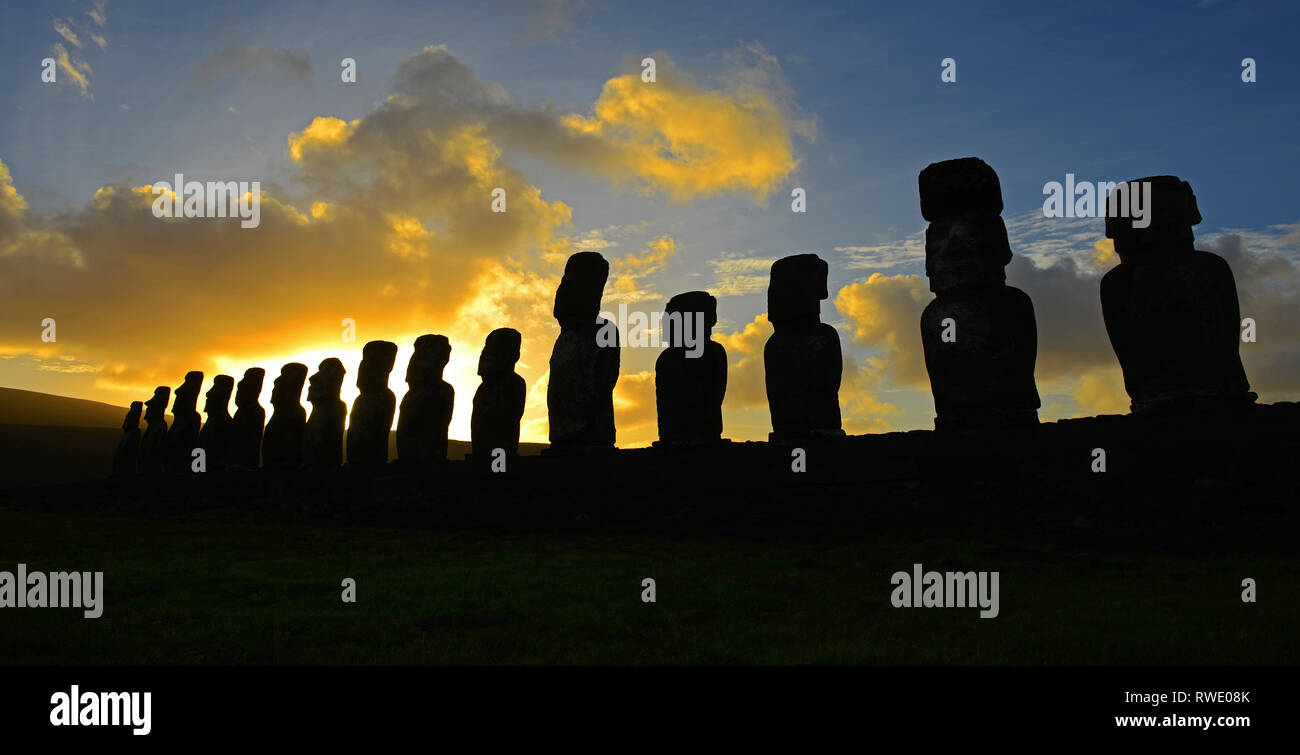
153	446
1171	310
979	334
215	436
282	442
322	440
691	374
126	459
499	400
802	358
373	409
584	361
183	437
250	418
427	405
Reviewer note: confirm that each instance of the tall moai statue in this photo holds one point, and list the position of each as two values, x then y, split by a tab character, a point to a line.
802	358
499	400
979	334
373	409
322	439
250	419
214	437
584	362
1171	310
153	445
282	441
691	374
183	437
127	457
428	403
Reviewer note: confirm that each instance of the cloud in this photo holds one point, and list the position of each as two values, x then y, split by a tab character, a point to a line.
390	224
734	275
74	70
97	13
100	41
547	19
746	378
65	31
251	61
630	271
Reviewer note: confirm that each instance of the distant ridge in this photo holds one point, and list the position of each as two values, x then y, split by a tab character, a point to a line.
19	407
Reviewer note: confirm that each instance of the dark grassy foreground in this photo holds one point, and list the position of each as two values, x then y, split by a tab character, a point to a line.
229	587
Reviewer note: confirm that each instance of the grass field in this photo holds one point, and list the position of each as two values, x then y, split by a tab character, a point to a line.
228	587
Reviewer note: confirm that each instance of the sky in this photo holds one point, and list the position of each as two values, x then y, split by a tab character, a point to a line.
375	194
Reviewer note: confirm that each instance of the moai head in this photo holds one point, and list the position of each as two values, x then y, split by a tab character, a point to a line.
577	300
287	389
327	382
1169	216
132	421
157	406
500	352
687	311
432	352
966	243
796	290
187	395
218	396
250	387
377	359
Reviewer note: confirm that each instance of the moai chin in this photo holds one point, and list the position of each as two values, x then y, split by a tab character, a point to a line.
183	437
1171	310
428	403
374	407
584	362
282	441
802	358
153	445
322	439
126	459
499	399
979	334
250	419
691	374
215	436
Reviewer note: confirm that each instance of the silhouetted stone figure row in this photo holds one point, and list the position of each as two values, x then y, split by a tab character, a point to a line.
802	358
580	392
979	334
428	403
499	400
1171	312
690	380
282	442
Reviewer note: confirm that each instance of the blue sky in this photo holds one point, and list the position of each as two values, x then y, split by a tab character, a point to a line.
1108	91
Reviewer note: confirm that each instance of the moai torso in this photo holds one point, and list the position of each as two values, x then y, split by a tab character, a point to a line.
126	459
374	407
250	419
215	436
428	403
499	400
183	436
691	373
802	358
584	365
282	441
153	445
979	334
322	440
1171	311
